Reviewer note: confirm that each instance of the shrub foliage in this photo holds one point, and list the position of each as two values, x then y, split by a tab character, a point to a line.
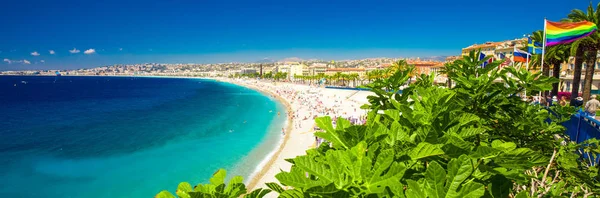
475	139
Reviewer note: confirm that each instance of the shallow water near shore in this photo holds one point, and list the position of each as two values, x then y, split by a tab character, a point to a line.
126	136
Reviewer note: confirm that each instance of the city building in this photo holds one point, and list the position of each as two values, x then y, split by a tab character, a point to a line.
452	58
566	71
248	71
496	48
282	68
566	76
332	71
426	67
317	68
297	69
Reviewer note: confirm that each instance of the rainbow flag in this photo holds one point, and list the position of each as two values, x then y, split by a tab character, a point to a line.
567	32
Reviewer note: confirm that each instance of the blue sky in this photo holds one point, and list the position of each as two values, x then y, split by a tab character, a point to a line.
178	31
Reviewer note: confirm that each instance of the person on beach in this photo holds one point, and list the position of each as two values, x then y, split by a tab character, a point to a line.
283	131
578	102
591	106
563	101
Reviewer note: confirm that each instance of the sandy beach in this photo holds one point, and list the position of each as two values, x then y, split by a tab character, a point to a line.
304	103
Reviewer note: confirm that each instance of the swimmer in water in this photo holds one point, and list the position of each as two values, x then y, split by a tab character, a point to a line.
278	113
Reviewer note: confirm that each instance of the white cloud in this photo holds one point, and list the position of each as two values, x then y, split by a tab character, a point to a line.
16	61
35	53
52	52
74	51
90	51
42	61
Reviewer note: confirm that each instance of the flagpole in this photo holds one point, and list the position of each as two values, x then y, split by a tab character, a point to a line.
543	51
527	62
513	53
527	67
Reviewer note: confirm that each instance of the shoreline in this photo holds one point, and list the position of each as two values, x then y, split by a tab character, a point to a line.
267	160
299	101
270	158
304	103
255	177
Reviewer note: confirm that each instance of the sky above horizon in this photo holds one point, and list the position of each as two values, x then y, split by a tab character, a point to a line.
83	34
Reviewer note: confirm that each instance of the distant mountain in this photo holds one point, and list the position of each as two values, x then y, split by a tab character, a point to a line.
291	59
266	60
435	58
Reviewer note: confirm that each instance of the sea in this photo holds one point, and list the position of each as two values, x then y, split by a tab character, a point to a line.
80	137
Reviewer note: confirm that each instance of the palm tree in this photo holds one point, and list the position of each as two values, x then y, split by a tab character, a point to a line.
577	70
555	56
369	75
586	48
337	76
320	76
447	69
353	77
344	78
330	79
398	65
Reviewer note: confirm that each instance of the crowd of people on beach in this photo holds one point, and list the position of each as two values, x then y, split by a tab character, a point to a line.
311	102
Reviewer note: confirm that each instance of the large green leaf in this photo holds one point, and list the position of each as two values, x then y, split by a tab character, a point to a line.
330	133
472	190
382	163
294	193
297	178
389	179
485	152
235	187
499	144
414	190
435	177
183	189
424	150
258	193
470	132
324	190
218	177
520	158
342	124
459	170
164	194
275	187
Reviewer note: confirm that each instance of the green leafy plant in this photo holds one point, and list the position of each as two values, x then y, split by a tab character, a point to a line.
215	189
476	139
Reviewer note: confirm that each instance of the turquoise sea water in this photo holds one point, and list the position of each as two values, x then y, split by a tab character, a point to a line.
128	137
